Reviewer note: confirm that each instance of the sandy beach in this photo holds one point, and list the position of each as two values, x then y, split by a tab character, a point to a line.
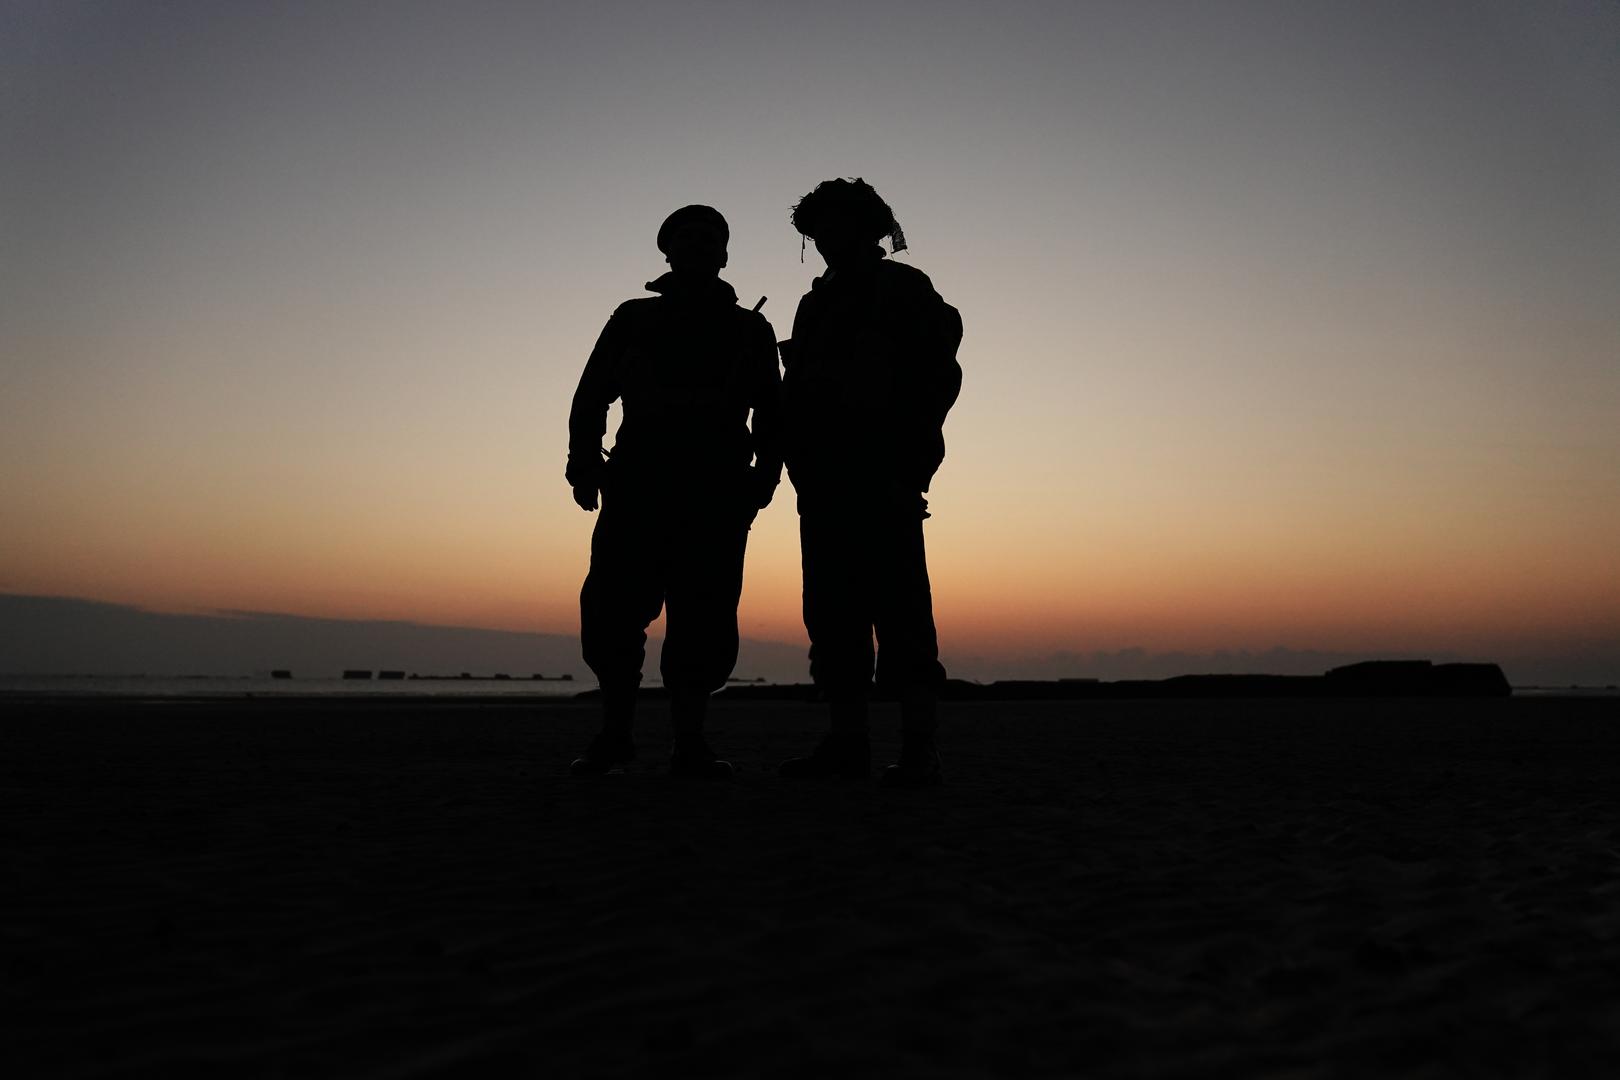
1121	888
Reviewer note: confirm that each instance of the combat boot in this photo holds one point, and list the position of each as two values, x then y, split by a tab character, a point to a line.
691	758
613	748
608	752
919	765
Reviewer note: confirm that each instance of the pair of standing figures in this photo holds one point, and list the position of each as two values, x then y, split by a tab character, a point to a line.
856	414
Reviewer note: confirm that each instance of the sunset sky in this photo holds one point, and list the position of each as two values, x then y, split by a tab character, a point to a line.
1287	324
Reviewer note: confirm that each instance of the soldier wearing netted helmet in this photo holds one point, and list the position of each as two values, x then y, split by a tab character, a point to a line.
869	376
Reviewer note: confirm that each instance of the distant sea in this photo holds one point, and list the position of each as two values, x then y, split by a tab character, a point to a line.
151	686
264	686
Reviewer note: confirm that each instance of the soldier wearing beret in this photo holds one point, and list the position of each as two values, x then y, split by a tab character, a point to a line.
678	493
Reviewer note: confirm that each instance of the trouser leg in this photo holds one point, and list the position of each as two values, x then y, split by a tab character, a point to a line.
837	619
687	713
618	710
837	609
919	715
701	637
908	643
621	596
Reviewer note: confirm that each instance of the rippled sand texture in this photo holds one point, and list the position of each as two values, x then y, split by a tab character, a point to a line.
1122	888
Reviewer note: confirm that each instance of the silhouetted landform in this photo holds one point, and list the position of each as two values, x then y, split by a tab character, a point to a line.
1374	678
281	673
536	677
395	675
58	636
1573	688
42	635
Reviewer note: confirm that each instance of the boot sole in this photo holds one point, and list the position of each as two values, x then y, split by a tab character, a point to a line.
618	768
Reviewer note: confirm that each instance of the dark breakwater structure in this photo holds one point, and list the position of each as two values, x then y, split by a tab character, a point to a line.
1372	679
536	677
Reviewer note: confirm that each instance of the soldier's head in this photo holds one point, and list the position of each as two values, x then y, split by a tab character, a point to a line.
693	240
846	219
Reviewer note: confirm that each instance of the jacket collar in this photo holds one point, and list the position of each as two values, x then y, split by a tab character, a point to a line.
854	270
683	287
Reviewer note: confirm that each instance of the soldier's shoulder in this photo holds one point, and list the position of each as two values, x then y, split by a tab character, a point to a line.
902	280
750	320
905	275
635	306
636	315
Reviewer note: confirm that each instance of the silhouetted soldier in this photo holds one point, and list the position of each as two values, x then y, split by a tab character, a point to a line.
678	492
870	373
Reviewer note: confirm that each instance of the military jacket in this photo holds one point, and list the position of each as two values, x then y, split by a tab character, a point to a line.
870	374
689	366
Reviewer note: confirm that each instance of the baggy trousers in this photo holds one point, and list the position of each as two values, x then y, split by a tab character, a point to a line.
865	571
648	554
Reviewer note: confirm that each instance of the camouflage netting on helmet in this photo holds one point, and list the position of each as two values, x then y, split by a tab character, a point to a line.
850	204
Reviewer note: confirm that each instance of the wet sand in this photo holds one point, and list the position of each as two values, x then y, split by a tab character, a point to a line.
1153	888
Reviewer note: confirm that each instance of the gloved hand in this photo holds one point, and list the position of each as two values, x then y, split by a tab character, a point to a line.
585	477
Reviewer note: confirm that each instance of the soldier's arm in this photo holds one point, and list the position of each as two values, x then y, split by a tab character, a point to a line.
767	405
935	330
587	417
939	335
